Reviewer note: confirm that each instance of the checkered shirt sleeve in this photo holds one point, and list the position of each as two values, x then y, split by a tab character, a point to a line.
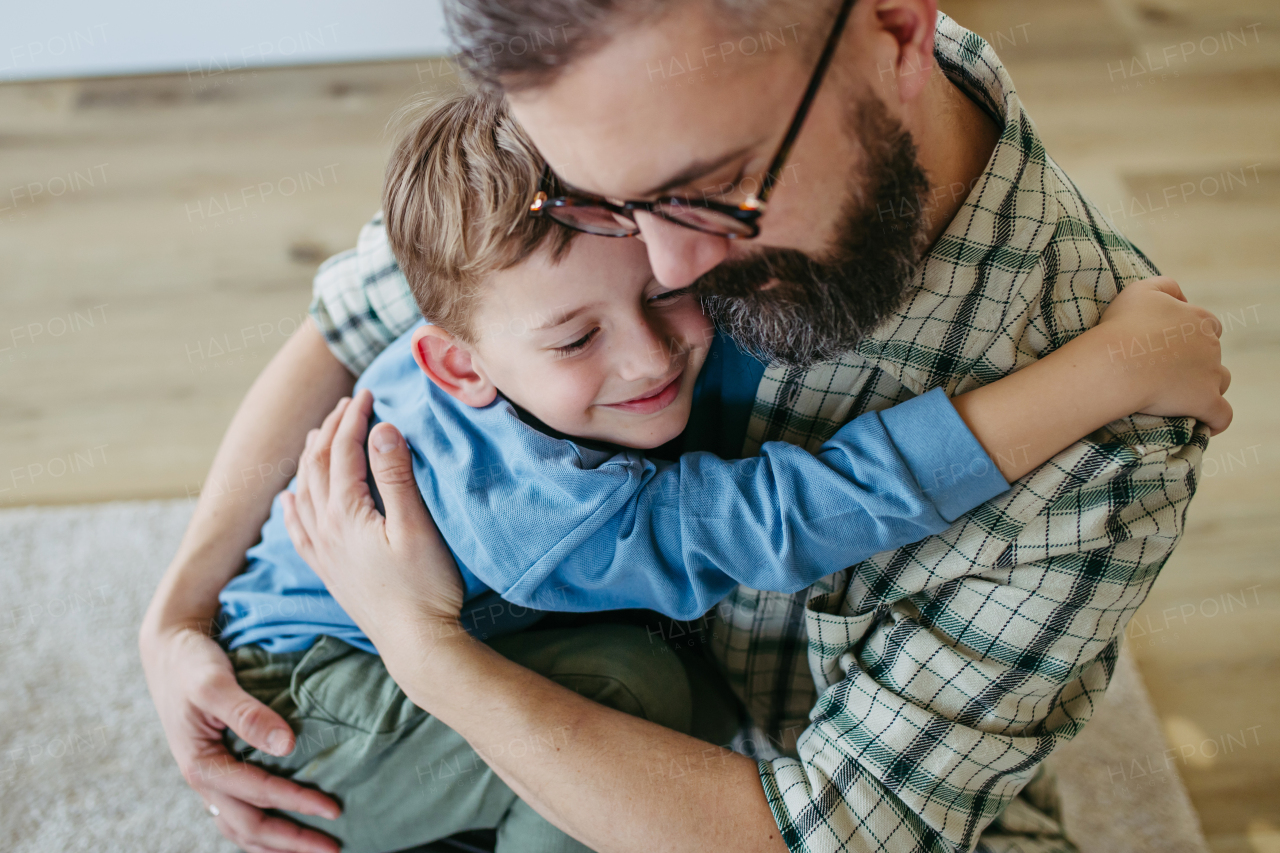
942	674
360	299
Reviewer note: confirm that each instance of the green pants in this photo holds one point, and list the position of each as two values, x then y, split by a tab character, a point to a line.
404	778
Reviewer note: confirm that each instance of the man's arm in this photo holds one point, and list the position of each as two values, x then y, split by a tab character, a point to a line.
294	392
361	301
188	674
615	782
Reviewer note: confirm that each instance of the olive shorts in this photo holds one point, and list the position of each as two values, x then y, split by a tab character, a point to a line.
403	778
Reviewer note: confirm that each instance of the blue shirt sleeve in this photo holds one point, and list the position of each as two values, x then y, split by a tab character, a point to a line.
677	537
553	525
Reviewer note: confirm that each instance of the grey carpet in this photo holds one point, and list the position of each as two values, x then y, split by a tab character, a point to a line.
84	766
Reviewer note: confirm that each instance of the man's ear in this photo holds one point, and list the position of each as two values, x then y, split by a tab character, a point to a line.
906	53
451	364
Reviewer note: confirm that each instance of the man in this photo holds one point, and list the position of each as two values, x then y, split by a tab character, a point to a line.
914	234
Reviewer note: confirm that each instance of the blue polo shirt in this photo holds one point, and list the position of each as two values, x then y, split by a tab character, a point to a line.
538	521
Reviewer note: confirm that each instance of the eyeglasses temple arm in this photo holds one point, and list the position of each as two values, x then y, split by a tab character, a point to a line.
815	82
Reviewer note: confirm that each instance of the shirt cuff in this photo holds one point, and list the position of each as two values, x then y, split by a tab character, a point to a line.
948	463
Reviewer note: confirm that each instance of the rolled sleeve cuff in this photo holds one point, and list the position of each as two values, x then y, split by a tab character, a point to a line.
946	459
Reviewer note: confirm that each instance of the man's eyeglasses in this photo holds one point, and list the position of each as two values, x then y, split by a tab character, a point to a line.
597	215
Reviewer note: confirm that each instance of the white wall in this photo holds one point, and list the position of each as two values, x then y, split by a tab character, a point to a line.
79	38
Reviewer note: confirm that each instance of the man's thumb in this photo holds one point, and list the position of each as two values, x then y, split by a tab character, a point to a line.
392	468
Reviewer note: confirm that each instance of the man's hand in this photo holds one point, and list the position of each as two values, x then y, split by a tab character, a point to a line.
196	694
394	576
189	675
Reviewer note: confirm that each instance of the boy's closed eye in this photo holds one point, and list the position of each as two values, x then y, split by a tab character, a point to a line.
578	345
660	299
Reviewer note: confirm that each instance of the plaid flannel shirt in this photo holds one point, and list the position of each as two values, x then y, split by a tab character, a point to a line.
904	703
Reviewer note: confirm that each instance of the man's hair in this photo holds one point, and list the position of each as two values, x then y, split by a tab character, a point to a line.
456	203
523	44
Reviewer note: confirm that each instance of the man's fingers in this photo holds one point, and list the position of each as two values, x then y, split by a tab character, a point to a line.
313	471
392	468
318	440
221	697
1225	382
302	480
250	829
297	529
347	463
331	420
256	787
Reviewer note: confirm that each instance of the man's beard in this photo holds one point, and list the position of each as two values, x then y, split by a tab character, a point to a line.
817	309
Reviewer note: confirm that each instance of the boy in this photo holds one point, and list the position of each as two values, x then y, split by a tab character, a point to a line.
584	343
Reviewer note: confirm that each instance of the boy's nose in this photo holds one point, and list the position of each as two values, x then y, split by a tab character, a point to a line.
645	353
679	255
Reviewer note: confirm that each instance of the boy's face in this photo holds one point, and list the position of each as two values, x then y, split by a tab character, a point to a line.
593	346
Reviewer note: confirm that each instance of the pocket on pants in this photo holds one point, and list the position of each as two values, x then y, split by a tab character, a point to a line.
339	684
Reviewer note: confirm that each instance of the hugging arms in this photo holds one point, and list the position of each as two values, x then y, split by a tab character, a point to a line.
420	616
929	682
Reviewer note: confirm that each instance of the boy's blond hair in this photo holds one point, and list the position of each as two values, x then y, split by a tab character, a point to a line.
456	204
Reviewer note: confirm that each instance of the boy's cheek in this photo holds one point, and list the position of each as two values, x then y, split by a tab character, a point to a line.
693	328
560	397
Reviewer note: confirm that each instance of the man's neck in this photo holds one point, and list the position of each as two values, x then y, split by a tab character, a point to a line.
954	141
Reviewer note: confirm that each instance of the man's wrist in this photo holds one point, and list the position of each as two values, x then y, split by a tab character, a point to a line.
426	655
166	615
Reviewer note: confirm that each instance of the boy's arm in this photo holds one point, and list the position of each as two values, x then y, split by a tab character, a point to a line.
632	533
1152	353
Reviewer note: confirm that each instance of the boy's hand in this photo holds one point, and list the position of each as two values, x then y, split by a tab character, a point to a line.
1169	353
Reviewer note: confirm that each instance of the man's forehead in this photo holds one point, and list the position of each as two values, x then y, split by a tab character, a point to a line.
661	102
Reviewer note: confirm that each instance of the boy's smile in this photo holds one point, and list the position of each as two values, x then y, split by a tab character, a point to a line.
593	346
644	404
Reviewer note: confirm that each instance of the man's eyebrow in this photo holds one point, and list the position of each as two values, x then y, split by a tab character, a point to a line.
695	170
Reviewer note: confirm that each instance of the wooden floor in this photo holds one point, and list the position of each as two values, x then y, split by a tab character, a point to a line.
159	235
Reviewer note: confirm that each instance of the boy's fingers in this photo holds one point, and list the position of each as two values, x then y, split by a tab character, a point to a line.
1167	285
1220	418
1225	382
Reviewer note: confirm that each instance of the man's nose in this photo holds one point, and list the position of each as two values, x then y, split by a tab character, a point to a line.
679	255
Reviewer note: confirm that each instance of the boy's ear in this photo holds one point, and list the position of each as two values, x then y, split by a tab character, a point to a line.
450	365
